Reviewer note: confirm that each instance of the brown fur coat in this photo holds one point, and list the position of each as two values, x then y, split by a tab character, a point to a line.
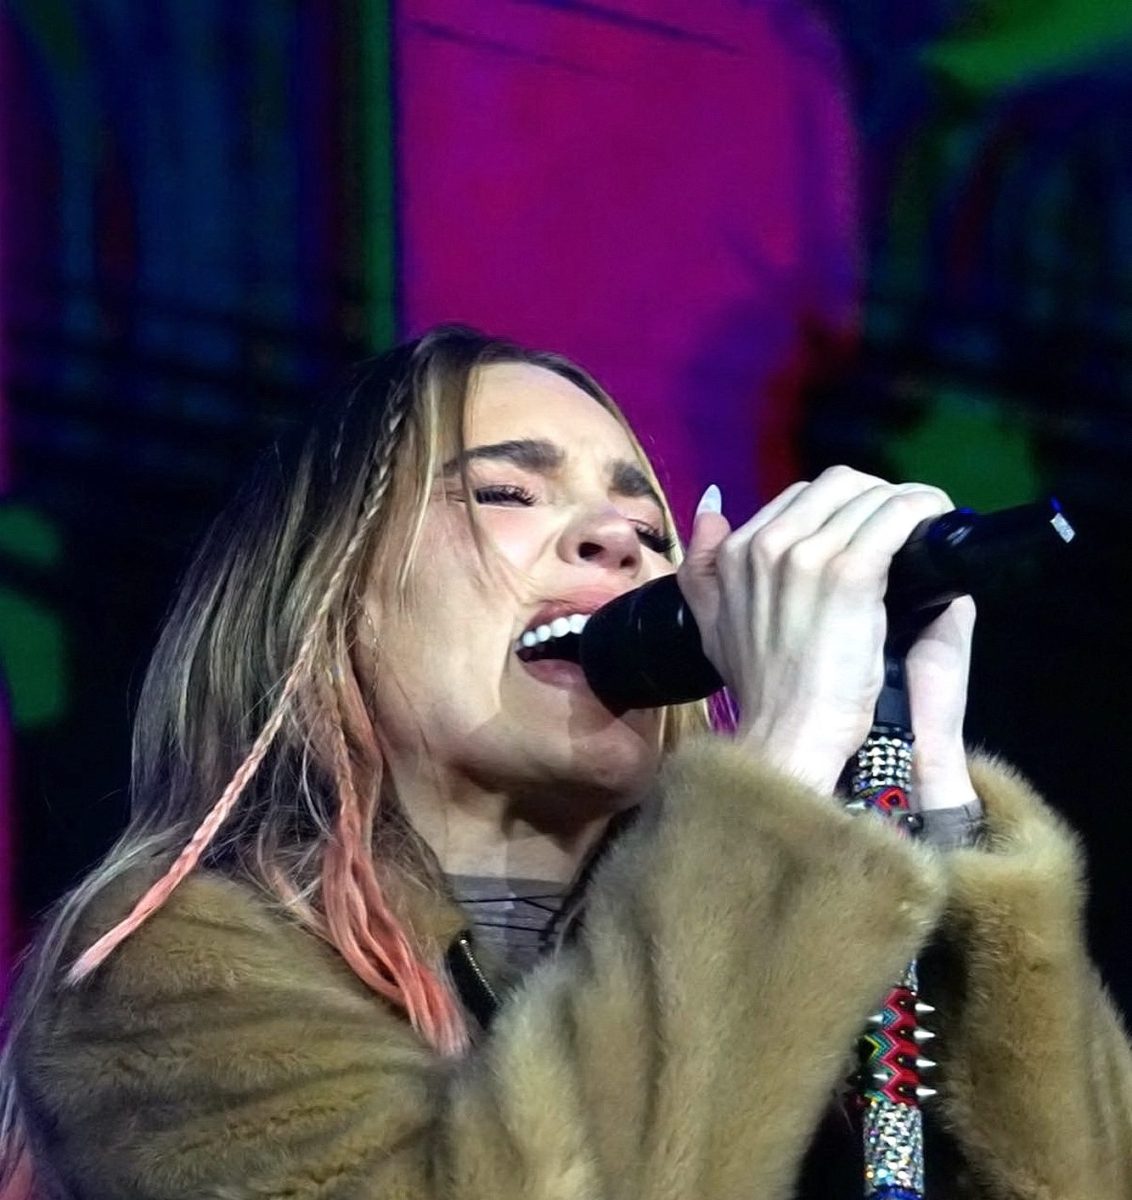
684	1048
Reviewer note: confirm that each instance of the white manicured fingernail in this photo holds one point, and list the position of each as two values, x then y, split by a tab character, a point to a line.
711	501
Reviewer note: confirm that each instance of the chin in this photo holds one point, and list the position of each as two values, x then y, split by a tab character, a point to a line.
617	763
583	768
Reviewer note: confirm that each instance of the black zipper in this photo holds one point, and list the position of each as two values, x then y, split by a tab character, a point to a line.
476	992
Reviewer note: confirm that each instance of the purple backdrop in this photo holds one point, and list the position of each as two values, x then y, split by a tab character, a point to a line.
666	193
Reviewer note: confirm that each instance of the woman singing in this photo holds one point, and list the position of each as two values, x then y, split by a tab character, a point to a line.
403	911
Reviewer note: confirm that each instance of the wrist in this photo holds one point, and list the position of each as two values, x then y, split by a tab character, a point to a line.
940	778
807	762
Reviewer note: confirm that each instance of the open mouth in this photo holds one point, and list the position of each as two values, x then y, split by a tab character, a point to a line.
559	639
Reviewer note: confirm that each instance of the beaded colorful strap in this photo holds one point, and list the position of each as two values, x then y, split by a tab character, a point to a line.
890	1091
884	763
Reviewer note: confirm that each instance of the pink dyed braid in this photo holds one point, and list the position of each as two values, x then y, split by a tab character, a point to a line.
153	899
186	861
365	927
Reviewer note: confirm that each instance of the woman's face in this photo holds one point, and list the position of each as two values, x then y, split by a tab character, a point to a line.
570	522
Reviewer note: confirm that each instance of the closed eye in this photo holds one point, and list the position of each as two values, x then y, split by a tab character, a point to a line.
512	493
651	537
503	493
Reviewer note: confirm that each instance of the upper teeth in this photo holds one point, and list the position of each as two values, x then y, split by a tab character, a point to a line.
559	627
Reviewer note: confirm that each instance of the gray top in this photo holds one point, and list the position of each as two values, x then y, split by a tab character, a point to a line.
512	916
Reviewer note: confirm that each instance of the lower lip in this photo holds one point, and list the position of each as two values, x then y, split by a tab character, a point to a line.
556	671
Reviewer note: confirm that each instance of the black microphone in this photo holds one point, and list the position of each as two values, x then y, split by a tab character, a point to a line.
643	649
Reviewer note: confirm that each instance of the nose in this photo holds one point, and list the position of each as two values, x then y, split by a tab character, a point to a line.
603	538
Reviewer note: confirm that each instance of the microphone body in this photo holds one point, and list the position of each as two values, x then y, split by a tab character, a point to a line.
643	649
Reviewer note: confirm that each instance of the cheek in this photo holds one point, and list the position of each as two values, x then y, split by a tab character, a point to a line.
517	535
446	556
452	586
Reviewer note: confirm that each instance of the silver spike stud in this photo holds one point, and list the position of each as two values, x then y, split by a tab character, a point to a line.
875	1019
922	1035
924	1010
881	1076
856	806
925	1064
925	1093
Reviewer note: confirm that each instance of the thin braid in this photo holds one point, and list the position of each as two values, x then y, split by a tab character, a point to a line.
348	835
160	891
382	476
394	417
359	912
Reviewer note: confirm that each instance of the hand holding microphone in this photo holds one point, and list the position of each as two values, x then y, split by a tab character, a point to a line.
790	608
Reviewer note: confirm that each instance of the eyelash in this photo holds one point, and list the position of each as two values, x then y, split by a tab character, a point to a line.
650	536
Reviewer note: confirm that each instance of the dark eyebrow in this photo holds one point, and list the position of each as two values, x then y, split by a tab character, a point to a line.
530	453
543	457
630	480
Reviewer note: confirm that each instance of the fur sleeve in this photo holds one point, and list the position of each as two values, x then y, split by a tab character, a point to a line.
1038	1072
685	1047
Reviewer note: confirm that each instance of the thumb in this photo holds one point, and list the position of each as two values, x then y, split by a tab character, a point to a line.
697	573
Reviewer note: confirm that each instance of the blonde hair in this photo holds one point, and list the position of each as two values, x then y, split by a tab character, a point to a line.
254	753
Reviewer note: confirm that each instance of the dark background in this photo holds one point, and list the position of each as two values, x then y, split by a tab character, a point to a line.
148	350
